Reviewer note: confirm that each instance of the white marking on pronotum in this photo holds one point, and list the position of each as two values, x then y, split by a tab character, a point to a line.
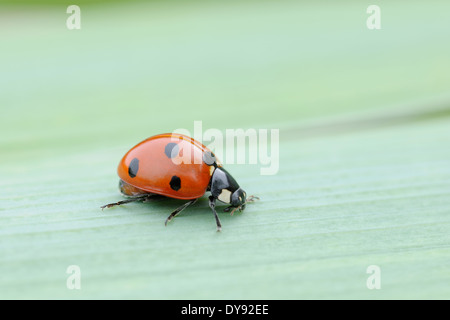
225	196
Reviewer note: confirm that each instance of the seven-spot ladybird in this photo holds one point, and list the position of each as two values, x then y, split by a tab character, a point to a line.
177	166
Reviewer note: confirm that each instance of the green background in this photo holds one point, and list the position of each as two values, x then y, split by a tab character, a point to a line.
364	122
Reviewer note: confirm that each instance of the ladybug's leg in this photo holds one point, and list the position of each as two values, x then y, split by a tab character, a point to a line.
233	209
212	205
178	210
252	199
134	199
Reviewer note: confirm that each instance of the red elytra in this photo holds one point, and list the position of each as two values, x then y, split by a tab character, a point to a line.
164	158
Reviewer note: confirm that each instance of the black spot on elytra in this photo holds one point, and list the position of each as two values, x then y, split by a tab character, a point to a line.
175	183
133	167
171	150
209	158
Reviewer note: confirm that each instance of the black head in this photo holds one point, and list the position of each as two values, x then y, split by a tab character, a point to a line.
238	198
226	189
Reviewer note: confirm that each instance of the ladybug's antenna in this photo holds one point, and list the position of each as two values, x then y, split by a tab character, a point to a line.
251	199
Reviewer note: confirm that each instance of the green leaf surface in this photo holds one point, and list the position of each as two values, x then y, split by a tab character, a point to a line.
364	157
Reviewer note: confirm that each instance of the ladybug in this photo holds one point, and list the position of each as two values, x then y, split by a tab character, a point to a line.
177	166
